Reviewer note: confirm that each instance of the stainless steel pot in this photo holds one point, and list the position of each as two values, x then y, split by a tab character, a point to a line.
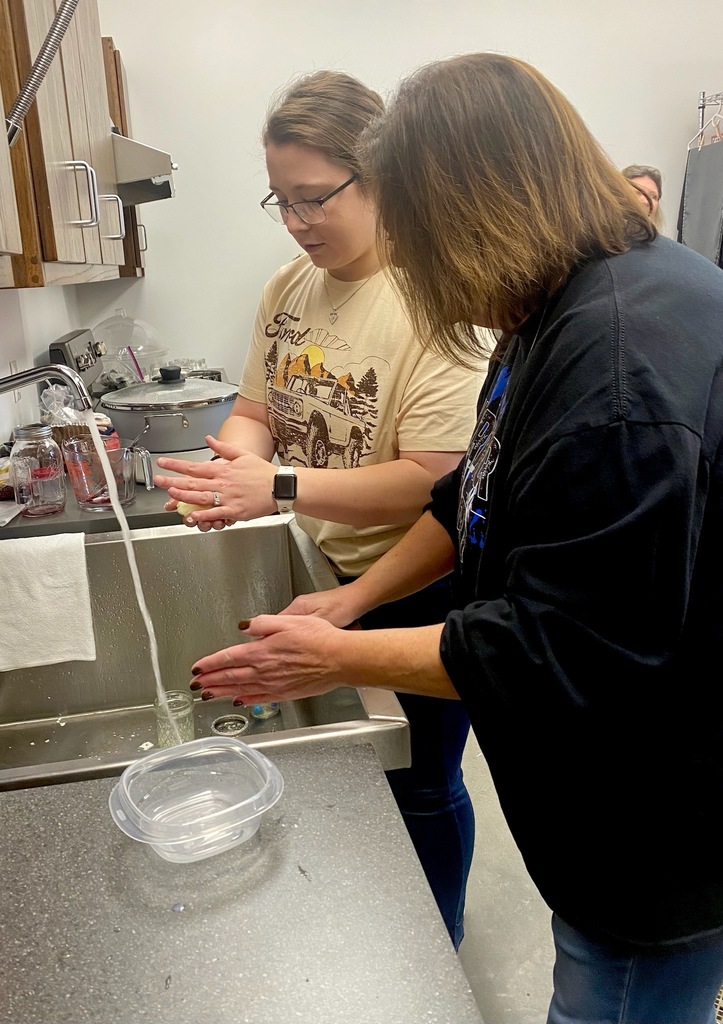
174	414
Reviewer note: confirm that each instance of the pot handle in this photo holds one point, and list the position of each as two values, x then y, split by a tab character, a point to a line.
145	456
165	415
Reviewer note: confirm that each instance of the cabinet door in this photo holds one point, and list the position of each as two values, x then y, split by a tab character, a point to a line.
56	182
10	240
85	51
69	59
134	244
69	137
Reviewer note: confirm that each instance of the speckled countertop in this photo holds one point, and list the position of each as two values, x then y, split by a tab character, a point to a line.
324	917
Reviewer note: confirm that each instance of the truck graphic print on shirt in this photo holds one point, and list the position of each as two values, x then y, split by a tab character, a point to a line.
318	417
480	463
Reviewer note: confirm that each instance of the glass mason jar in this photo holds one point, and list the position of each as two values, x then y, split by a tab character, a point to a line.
176	710
37	471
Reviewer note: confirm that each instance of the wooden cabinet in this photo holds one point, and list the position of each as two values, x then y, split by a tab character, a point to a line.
47	131
23	269
10	240
90	127
68	133
71	220
72	223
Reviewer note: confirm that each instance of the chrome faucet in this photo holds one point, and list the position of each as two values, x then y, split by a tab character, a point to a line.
53	372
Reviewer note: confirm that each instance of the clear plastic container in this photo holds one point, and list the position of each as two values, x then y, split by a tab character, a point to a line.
193	801
37	471
118	333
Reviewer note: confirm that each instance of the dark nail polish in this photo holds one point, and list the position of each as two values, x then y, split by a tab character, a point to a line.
197	685
206	695
244	623
195	671
237	702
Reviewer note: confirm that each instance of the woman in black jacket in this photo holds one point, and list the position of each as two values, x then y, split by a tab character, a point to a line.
583	526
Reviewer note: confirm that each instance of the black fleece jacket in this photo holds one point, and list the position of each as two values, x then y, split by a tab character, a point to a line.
588	518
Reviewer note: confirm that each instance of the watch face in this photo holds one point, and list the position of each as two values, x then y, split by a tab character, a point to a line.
284	487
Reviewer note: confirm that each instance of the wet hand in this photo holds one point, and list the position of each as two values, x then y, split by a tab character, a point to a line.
335	606
185	510
293	656
234	488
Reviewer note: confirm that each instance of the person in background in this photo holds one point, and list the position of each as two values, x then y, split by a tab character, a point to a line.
363	421
583	527
649	184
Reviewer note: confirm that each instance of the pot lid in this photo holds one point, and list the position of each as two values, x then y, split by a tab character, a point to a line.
188	393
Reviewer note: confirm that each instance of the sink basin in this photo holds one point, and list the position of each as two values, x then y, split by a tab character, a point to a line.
60	723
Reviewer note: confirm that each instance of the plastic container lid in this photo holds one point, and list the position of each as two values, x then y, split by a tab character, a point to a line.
195	800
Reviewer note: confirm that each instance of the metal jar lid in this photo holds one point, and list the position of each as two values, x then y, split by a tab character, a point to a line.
169	394
230	725
34	431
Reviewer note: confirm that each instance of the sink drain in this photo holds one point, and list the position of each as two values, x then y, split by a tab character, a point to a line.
230	725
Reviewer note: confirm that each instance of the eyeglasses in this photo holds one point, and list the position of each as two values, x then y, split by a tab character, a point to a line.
311	211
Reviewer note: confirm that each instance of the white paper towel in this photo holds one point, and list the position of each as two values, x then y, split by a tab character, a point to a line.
45	615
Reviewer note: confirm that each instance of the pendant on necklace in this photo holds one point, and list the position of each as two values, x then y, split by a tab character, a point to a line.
333	316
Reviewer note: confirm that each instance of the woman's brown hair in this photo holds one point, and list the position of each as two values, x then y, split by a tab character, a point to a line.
644	171
634	171
490	190
326	111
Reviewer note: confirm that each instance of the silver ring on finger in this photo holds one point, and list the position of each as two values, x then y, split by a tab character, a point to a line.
216	498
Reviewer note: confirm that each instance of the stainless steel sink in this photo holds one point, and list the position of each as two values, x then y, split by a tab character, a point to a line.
78	720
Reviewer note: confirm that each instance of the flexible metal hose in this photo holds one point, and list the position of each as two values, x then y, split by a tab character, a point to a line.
39	69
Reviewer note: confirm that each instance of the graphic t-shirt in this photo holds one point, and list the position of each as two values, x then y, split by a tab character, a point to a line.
351	389
479	465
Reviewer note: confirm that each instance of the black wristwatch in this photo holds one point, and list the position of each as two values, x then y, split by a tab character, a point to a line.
284	489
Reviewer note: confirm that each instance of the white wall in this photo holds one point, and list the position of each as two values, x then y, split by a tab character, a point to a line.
200	76
29	321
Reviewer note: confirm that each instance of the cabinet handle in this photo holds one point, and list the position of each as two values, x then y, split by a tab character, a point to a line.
143	247
121	218
94	220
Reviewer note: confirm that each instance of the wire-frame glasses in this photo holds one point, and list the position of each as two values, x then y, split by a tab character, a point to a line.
310	211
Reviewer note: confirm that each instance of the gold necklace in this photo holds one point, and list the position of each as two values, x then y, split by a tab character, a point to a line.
334	315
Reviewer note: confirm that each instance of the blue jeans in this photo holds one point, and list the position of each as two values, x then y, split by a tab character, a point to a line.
597	983
431	794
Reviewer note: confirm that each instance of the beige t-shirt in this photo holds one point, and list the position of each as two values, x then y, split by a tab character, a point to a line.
352	392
